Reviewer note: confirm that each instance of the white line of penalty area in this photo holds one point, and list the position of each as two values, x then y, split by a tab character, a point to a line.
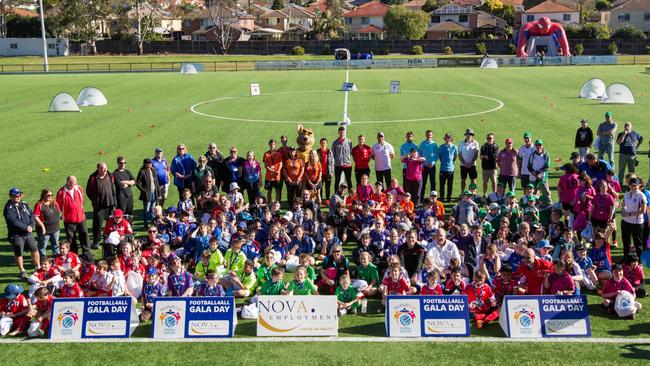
334	339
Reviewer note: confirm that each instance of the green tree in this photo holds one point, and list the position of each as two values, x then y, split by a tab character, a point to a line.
81	20
329	26
431	5
492	6
403	23
602	5
277	4
630	32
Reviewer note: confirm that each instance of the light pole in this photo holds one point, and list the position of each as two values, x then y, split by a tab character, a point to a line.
40	10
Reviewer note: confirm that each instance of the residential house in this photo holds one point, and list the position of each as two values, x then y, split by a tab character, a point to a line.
463	15
289	17
366	21
632	12
199	24
415	5
552	10
446	30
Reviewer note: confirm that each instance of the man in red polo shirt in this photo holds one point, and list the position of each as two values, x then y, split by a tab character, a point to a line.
71	202
361	156
534	270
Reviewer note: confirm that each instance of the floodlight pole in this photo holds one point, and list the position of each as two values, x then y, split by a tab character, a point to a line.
46	66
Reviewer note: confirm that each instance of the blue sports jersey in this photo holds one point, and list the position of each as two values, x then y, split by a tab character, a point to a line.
207	290
599	258
422	215
151	291
584	263
515	260
250	250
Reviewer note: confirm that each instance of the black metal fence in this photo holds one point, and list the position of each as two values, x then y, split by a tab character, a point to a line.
502	47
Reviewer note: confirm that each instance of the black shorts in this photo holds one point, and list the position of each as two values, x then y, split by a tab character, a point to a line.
18	243
465	171
271	184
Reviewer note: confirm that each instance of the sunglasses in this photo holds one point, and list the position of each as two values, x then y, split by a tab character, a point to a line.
153	231
48	195
122	162
181	148
233	151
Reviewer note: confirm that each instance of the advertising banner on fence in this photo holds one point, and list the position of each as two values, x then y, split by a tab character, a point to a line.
193	317
545	316
281	316
97	317
352	64
427	316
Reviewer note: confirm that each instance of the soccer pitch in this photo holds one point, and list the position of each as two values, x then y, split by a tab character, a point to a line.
146	110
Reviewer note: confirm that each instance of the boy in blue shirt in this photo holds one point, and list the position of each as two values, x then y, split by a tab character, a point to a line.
447	153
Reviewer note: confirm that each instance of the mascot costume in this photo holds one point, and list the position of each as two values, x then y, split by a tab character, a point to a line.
543	27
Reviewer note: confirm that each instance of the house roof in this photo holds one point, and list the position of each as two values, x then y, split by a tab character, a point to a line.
448	26
453	8
512	2
292	10
205	14
550	7
371	9
469	3
318	5
415	4
21	12
633	5
485	18
369	29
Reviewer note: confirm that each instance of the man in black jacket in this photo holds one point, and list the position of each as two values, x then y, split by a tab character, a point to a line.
584	139
100	189
20	227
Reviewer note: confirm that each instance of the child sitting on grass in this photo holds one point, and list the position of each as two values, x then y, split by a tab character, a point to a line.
211	287
43	307
455	284
432	288
394	284
47	276
151	289
99	284
70	287
276	285
482	303
346	296
367	281
633	272
613	288
301	285
17	307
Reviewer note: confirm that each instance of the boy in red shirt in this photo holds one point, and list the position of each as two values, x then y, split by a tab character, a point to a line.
614	286
432	288
67	260
70	287
47	276
43	308
455	284
87	269
16	306
633	272
482	304
504	284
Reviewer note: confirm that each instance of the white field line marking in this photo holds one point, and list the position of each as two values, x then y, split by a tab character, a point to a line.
338	340
500	105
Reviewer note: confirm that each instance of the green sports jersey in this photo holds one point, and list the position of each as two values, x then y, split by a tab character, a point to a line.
545	215
306	288
272	288
368	274
249	281
200	270
346	295
234	261
216	259
311	274
264	273
487	228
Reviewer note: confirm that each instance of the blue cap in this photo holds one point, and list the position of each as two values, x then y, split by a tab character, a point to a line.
12	291
544	244
171	209
152	271
15	192
242	224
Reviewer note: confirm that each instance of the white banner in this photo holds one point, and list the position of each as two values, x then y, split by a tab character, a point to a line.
403	317
67	320
170	317
281	316
520	318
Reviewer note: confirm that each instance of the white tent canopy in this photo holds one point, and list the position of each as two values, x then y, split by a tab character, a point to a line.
188	69
618	93
63	102
593	89
489	63
91	96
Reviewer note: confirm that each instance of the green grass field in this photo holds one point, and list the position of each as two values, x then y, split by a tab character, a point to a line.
153	109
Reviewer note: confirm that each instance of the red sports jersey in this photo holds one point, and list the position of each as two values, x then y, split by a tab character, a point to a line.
122	228
451	288
480	295
86	274
69	261
426	290
534	276
44	306
71	291
502	288
43	276
399	287
15	305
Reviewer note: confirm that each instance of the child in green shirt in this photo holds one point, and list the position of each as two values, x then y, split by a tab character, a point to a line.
276	285
306	260
346	296
204	266
216	258
368	272
301	285
268	264
243	283
234	259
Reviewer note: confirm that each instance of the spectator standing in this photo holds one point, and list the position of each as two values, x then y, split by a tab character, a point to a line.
100	190
20	228
342	152
46	214
124	180
231	169
383	153
361	155
149	188
414	165
584	139
273	179
181	168
489	152
628	142
428	149
405	152
606	132
467	155
327	169
252	173
159	163
538	164
632	210
508	168
447	153
71	202
523	155
294	171
215	158
200	174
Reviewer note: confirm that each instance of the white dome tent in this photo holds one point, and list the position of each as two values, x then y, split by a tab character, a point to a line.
618	93
91	96
64	102
489	63
188	69
593	89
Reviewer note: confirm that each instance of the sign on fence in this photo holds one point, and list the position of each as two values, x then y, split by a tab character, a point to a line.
193	317
427	316
97	317
545	316
281	316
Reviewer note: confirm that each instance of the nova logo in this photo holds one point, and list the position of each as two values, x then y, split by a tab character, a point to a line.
280	306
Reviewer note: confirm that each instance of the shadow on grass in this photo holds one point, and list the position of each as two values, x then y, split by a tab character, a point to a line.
633	330
637	351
